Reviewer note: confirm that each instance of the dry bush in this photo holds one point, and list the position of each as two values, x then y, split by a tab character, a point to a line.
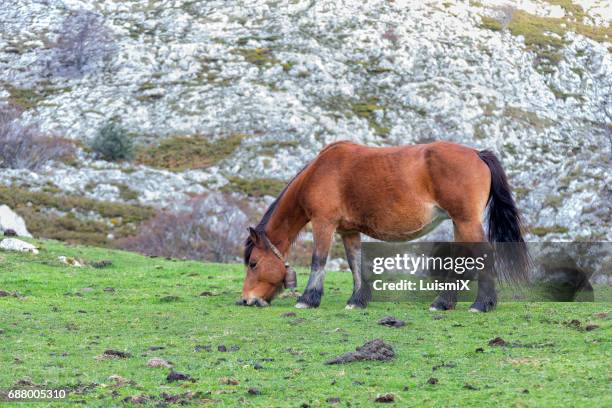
24	146
83	41
210	227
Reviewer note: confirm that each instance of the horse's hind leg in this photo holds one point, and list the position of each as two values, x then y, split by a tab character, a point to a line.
352	247
322	235
486	298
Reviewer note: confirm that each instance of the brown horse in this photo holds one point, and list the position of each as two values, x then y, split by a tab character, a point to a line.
388	193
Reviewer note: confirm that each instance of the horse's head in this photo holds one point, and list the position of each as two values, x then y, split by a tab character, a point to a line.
266	271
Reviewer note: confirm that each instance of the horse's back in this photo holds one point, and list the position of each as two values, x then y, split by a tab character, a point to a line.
391	189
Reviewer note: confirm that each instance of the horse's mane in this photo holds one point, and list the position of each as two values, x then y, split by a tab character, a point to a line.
261	227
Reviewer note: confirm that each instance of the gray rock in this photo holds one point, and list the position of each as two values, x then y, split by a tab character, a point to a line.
10	220
14	244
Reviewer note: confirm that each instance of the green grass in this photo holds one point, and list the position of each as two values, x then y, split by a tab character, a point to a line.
64	319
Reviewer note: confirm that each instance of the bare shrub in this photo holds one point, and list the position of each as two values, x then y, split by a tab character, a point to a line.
83	41
209	227
24	146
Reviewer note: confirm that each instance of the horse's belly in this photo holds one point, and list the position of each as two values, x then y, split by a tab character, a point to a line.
405	231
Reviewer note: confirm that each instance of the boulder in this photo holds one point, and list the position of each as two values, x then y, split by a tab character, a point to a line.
9	220
14	244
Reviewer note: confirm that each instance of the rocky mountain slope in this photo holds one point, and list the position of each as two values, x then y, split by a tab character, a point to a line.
530	79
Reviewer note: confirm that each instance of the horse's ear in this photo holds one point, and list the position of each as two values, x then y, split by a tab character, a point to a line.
254	236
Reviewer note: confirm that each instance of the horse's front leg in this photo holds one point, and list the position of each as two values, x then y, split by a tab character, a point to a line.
322	236
352	248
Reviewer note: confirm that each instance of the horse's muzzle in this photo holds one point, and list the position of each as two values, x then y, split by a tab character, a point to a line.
252	302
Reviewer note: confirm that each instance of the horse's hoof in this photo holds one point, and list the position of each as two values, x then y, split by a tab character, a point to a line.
350	307
257	302
482	307
434	309
301	305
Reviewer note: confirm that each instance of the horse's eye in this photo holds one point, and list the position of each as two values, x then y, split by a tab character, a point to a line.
252	265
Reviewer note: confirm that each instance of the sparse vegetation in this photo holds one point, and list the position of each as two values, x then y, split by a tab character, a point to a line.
257	187
112	143
23	146
188	152
543	231
258	56
51	215
366	109
544	35
30	98
126	193
530	118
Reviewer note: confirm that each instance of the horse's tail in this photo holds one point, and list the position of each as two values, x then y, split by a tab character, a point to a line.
505	223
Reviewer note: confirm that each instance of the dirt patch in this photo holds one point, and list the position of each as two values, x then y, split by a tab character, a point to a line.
119	381
174	376
206	293
497	342
169	299
79	388
471	387
24	382
136	399
158	362
289	314
432	381
443	365
333	400
601	315
391	321
228	381
110	353
479	350
254	391
223	348
205	347
385	398
104	263
375	350
591	327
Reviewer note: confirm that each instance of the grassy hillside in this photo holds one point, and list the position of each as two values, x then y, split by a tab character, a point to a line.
55	331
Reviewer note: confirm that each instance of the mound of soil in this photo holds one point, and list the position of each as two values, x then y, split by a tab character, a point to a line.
497	342
391	322
176	376
376	350
385	398
116	354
